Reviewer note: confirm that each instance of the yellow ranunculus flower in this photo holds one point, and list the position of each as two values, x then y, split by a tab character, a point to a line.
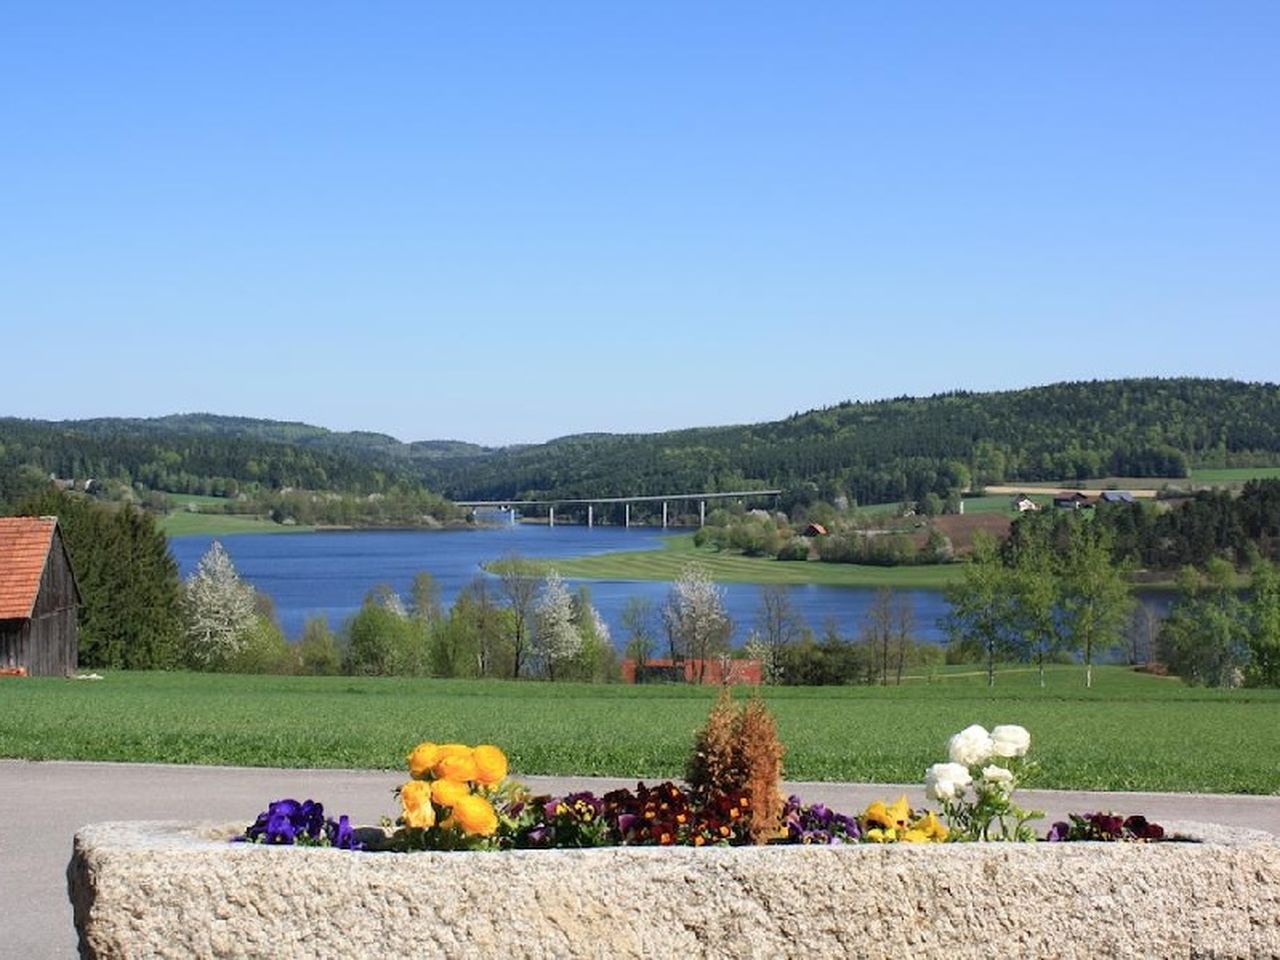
475	815
447	792
457	766
491	764
422	759
415	798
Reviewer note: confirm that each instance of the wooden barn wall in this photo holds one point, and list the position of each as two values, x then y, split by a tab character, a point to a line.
13	651
52	640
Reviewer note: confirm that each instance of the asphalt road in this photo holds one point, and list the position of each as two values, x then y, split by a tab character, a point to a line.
43	804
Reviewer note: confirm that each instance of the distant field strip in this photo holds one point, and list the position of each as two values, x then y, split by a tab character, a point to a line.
185	523
678	551
1229	475
1130	732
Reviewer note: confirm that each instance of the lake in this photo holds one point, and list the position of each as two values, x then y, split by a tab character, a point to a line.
329	573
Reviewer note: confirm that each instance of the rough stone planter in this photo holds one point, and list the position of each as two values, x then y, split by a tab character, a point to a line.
173	889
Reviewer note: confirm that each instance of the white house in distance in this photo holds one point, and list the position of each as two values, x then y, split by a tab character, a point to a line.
1024	504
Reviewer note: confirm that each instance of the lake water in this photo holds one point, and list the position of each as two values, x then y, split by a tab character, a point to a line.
329	573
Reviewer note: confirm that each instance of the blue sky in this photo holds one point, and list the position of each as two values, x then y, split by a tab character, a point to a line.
508	222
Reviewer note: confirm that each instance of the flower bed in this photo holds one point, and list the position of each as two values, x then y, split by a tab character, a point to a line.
475	864
171	889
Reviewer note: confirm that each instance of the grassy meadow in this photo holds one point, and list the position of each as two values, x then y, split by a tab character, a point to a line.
726	567
1130	732
184	523
188	518
1230	476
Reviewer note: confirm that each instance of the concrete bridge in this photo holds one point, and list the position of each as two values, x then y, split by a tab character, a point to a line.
512	506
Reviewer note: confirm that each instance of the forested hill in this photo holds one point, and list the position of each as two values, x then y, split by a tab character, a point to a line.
201	454
903	448
883	451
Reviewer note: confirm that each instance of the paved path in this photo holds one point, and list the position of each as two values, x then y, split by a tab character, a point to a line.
43	804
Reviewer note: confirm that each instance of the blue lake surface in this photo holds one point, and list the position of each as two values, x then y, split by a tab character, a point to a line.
330	573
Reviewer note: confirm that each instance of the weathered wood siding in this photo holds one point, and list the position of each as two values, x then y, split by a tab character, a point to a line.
47	644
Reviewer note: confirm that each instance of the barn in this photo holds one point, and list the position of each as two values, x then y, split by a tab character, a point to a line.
39	599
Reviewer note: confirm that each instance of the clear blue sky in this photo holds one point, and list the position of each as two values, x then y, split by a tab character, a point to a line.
507	222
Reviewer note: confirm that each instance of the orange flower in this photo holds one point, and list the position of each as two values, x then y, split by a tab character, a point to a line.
475	816
447	792
415	798
457	766
422	759
491	764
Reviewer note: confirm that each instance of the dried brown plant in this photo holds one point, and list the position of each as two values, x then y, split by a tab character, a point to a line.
738	750
761	758
714	765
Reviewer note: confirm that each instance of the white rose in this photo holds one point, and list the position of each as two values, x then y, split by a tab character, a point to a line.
946	781
1010	740
971	746
999	777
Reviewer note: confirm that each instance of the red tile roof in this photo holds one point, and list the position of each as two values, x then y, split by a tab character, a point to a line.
24	550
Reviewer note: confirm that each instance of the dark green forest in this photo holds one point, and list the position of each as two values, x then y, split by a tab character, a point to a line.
870	452
904	448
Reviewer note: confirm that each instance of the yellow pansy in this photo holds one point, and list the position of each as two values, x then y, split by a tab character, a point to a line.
491	764
422	759
931	827
415	798
893	817
475	815
878	814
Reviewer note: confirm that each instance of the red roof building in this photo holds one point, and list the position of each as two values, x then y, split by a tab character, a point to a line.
714	672
39	598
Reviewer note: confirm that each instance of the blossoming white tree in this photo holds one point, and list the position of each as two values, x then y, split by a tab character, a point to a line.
218	608
556	637
697	625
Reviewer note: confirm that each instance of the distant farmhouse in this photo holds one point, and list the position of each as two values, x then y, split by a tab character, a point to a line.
39	599
1024	504
1073	500
1117	496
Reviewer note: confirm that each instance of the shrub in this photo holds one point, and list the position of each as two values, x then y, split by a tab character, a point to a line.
738	752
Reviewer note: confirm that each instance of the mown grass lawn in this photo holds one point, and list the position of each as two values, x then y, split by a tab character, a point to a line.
724	566
1130	732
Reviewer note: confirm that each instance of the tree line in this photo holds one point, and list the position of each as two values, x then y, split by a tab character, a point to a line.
906	448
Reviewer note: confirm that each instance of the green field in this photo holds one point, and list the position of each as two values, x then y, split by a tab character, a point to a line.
184	522
1130	732
1227	476
678	551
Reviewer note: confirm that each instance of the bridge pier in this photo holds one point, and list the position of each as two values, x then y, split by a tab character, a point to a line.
664	514
626	512
551	516
702	513
591	516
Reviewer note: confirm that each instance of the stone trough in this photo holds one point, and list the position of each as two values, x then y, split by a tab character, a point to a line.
168	889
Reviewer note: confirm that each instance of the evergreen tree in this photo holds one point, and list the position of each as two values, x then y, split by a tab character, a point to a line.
130	616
